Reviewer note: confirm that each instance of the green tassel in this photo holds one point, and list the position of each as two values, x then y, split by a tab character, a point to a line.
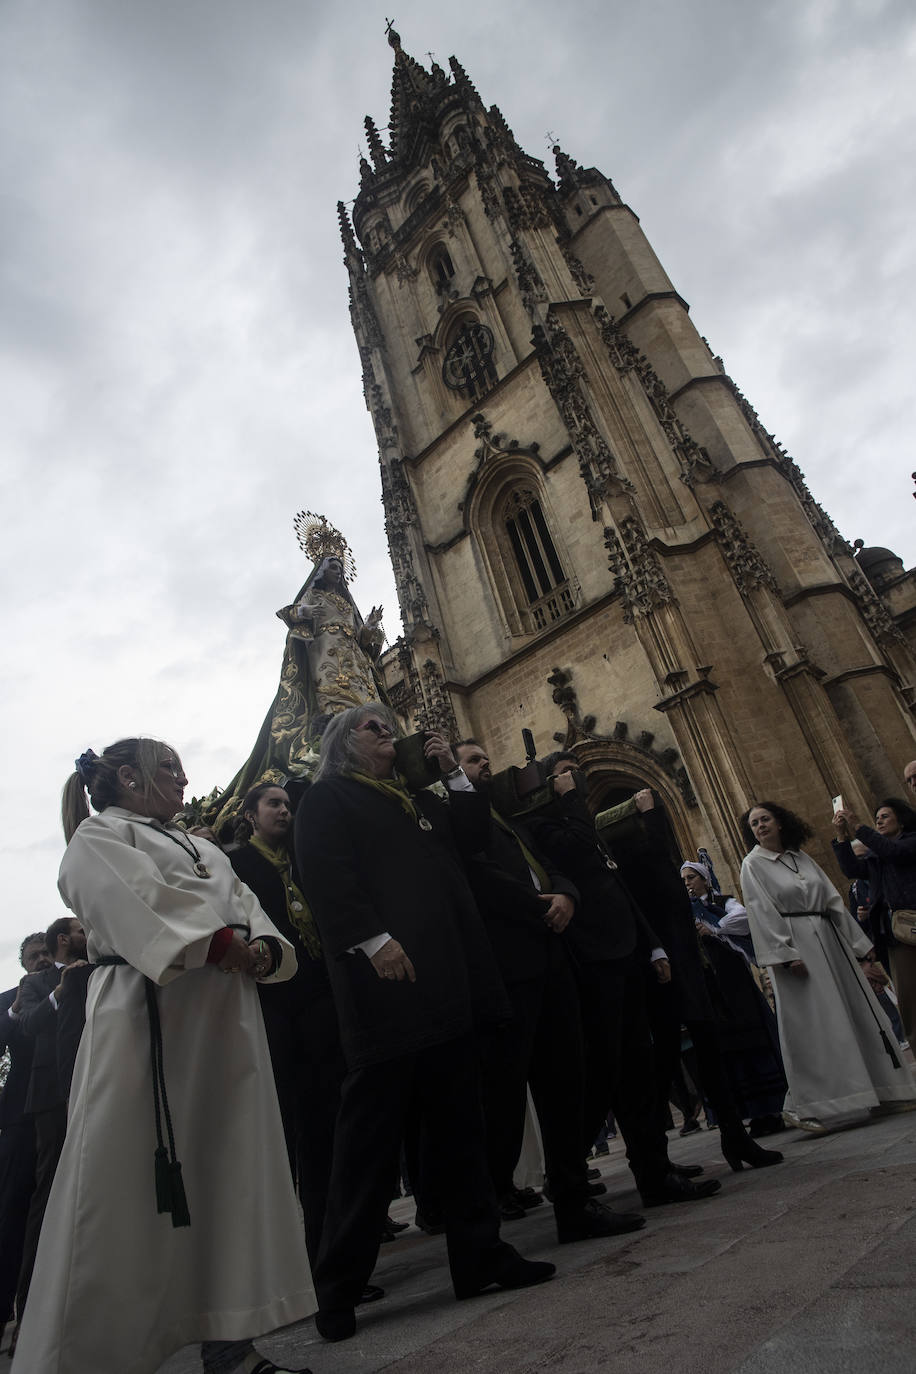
179	1209
163	1183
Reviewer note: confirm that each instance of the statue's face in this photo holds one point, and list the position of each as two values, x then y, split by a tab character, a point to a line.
333	574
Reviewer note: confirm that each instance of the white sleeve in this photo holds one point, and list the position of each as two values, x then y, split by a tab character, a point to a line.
735	921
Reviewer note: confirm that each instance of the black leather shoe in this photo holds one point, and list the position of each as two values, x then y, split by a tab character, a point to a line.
507	1269
686	1170
431	1225
594	1221
336	1326
371	1293
593	1172
673	1188
510	1210
527	1198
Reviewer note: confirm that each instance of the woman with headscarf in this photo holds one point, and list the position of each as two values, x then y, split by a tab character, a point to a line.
748	1036
172	1217
839	1052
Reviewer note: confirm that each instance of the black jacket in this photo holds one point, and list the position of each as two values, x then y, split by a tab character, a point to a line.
509	902
367	867
310	978
38	1021
643	845
21	1048
608	924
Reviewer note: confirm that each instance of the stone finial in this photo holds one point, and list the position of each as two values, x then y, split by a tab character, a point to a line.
376	147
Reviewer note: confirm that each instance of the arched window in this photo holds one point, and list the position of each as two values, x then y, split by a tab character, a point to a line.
547	590
441	269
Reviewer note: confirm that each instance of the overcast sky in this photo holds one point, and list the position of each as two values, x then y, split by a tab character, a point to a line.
177	371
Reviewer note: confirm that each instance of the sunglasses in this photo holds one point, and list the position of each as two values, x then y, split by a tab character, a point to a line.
376	727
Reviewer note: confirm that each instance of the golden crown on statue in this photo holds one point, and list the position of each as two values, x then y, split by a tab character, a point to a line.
318	539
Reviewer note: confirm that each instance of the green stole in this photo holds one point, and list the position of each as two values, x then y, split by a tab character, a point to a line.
302	920
537	869
393	788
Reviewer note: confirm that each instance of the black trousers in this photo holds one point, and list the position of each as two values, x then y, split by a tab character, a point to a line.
541	1046
436	1090
309	1070
620	1065
17	1180
50	1130
666	1034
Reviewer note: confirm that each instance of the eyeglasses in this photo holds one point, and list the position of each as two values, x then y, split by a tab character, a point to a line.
376	727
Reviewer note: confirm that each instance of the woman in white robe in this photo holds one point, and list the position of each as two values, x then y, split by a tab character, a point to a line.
839	1052
118	1284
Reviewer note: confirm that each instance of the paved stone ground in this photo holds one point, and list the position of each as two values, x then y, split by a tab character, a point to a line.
808	1267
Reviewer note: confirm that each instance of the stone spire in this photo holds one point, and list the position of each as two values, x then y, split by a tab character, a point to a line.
352	253
376	147
413	93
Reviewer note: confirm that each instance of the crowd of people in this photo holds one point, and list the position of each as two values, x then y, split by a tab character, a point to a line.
203	1048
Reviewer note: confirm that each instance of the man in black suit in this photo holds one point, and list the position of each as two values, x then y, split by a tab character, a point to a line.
612	947
40	995
17	1131
526	904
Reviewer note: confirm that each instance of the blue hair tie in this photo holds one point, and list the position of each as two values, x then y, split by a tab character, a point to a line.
85	765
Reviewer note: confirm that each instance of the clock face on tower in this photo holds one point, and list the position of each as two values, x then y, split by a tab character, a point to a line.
467	363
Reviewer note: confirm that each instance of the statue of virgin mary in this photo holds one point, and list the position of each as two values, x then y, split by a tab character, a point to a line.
329	663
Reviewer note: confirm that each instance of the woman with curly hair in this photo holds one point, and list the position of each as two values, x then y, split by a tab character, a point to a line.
838	1047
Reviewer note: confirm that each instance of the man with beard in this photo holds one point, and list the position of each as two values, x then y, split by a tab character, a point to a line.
526	904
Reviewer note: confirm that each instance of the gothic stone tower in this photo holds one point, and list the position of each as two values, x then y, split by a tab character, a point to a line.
592	533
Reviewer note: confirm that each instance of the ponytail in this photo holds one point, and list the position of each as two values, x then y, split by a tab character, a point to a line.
74	805
97	775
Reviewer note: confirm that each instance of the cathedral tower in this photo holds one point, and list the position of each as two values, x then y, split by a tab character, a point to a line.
592	533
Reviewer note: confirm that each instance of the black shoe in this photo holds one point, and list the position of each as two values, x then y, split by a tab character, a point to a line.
371	1293
766	1125
739	1150
602	1149
689	1127
594	1221
336	1326
507	1269
510	1210
592	1189
392	1225
593	1173
431	1225
685	1170
527	1198
673	1188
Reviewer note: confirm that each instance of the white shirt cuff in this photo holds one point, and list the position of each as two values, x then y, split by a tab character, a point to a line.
459	783
372	947
656	955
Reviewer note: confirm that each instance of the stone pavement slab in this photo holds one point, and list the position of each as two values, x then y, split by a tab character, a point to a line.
808	1266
